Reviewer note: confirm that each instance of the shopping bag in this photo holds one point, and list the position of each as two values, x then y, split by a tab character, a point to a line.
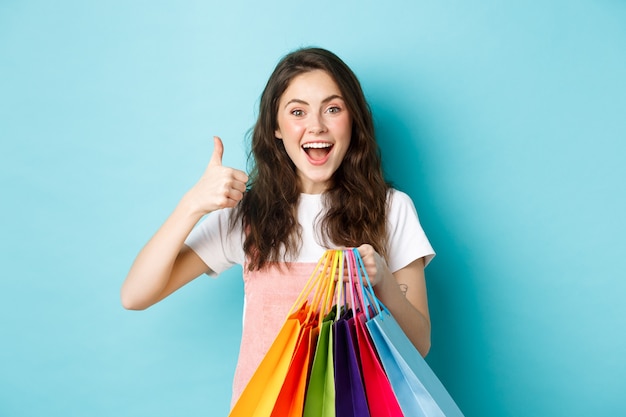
417	388
320	394
350	399
381	399
401	359
260	396
290	401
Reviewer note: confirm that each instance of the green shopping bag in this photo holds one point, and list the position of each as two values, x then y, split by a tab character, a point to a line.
320	395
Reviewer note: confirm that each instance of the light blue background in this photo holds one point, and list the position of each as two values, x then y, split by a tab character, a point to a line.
505	121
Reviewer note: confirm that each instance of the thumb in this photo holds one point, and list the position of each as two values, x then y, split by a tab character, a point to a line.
218	151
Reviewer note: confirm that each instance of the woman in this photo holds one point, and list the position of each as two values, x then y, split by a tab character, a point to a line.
316	183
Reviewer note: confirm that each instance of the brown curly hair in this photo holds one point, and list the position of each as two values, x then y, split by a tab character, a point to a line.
356	200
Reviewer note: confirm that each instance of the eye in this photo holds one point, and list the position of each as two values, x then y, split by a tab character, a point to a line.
334	109
297	112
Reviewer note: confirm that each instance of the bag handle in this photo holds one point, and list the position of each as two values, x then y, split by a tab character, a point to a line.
350	262
316	284
334	289
339	284
324	284
368	297
361	302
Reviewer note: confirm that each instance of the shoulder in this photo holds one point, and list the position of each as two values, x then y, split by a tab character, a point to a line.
223	217
398	201
218	242
406	238
216	227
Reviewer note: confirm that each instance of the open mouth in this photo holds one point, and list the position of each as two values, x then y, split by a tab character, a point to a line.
317	151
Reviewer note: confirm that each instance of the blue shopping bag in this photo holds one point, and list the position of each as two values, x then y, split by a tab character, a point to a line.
418	390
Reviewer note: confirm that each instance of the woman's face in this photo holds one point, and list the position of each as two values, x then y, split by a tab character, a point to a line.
315	127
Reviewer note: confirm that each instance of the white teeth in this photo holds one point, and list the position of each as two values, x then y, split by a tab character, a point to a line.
317	145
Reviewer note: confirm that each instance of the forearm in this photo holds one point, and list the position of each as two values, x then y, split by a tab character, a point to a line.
152	268
164	265
402	304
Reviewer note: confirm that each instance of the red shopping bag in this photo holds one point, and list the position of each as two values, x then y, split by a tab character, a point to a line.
290	401
380	396
381	399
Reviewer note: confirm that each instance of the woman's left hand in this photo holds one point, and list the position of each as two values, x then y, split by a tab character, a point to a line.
375	265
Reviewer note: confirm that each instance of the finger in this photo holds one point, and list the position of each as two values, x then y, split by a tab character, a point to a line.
235	195
238	186
230	203
227	201
366	247
218	152
240	176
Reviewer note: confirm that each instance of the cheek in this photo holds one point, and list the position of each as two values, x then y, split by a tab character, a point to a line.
293	129
344	126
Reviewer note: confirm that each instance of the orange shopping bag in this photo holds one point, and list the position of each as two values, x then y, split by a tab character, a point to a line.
278	385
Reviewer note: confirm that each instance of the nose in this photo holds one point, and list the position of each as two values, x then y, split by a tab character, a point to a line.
316	125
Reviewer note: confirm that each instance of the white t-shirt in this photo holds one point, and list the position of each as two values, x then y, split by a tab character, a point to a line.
220	248
270	293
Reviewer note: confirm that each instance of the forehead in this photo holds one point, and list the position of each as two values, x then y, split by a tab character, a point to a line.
311	85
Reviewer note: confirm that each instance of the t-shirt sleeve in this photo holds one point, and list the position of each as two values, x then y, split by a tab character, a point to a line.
219	246
407	240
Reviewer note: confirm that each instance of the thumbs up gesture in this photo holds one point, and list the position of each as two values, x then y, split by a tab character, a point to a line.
218	152
219	187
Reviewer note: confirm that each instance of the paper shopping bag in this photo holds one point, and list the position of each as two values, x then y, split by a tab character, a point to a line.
260	394
320	394
290	401
381	399
350	399
417	389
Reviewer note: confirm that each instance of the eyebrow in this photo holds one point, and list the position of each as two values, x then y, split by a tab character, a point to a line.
326	100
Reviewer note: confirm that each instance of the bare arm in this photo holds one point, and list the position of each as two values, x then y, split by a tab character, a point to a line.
403	293
165	263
